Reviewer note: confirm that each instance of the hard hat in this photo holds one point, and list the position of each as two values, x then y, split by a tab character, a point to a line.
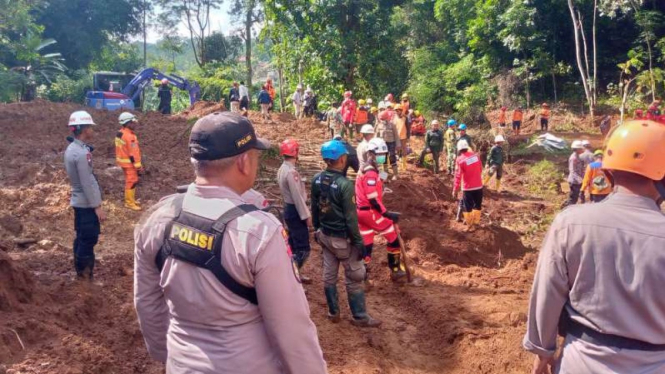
462	144
499	138
348	94
546	104
369	101
80	118
333	150
126	117
585	143
361	102
378	146
382	105
338	137
577	144
289	147
462	127
405	96
637	147
417	113
598	152
398	107
390	105
434	122
165	81
504	108
367	129
374	109
452	122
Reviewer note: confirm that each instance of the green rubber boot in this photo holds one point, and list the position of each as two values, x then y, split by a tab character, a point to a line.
359	310
333	303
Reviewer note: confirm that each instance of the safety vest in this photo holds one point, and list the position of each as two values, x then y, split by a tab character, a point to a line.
385	131
198	241
517	115
127	151
362	116
545	113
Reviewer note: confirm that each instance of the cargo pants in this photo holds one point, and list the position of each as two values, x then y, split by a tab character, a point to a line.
86	224
338	251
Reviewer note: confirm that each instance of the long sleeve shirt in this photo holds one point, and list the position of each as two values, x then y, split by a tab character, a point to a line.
244	92
196	325
85	188
434	140
468	173
495	156
576	169
596	181
293	188
127	150
604	264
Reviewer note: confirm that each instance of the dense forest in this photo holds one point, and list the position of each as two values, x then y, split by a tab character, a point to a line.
451	56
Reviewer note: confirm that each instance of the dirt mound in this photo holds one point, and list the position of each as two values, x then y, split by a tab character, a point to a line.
16	285
203	108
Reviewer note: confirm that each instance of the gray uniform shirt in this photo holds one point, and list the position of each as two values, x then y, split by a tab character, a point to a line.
361	150
604	263
196	325
293	188
85	189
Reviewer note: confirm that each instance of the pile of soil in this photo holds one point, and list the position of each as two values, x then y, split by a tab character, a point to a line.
203	108
466	318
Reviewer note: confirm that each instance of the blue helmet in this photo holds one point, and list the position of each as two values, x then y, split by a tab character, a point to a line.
452	122
462	127
333	150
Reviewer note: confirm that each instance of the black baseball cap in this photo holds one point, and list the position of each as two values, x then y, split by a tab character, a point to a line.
222	135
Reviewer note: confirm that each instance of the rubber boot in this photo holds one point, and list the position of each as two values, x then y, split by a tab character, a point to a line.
359	310
476	216
333	303
498	185
396	271
130	200
486	180
468	218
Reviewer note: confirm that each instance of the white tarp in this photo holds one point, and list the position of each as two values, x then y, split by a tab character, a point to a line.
550	143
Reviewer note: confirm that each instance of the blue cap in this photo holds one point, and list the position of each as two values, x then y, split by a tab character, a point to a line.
333	150
462	127
452	122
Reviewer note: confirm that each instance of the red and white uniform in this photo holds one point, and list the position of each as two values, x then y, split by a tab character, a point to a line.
348	110
370	220
468	172
387	115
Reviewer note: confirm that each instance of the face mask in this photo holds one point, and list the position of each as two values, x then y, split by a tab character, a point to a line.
381	159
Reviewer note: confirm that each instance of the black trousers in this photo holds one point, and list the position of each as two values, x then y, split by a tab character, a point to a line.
86	224
298	234
352	162
244	103
574	194
596	198
544	124
473	200
165	109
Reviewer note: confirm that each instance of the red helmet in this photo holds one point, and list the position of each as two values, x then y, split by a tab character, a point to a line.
389	97
504	108
347	94
289	147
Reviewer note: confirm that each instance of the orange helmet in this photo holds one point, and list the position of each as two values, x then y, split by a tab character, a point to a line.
637	147
289	147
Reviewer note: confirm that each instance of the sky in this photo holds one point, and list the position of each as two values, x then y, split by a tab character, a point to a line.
219	20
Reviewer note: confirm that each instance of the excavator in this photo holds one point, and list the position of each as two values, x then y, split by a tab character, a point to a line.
114	91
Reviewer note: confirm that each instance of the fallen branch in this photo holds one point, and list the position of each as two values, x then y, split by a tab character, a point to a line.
19	338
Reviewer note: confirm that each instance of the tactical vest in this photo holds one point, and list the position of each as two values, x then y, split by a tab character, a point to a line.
326	182
385	131
198	241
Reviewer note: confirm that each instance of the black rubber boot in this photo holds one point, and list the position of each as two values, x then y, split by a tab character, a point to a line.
396	271
333	303
359	311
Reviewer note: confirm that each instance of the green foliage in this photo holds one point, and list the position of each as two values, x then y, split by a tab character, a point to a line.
221	49
11	84
544	178
69	89
117	56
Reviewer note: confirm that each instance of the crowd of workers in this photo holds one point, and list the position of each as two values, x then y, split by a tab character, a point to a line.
218	279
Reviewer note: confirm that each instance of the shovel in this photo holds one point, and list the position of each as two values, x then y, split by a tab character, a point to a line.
402	250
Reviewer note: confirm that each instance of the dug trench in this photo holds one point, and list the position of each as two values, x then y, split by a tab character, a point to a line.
467	315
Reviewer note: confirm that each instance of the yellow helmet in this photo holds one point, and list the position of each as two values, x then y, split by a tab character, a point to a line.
374	109
417	113
405	96
362	102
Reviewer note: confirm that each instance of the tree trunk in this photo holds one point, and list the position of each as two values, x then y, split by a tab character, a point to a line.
145	35
248	41
595	55
280	74
556	100
652	81
584	73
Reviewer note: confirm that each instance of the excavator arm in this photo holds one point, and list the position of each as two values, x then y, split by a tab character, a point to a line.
143	78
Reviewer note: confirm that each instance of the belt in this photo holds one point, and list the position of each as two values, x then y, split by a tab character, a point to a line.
590	335
335	234
365	208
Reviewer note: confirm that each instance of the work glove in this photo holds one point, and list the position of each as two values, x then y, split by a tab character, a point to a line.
393	216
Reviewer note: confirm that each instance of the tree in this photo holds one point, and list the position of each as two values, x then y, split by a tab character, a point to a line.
195	14
222	49
83	27
38	67
250	12
172	45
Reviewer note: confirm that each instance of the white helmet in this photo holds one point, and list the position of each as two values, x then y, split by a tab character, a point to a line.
377	145
80	118
585	143
434	122
367	129
462	144
369	100
382	105
165	81
499	138
126	117
577	144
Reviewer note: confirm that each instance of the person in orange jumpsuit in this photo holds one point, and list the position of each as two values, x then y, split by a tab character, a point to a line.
517	120
502	117
545	117
373	217
128	157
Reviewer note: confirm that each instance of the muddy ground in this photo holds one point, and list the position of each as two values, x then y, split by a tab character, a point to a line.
468	317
